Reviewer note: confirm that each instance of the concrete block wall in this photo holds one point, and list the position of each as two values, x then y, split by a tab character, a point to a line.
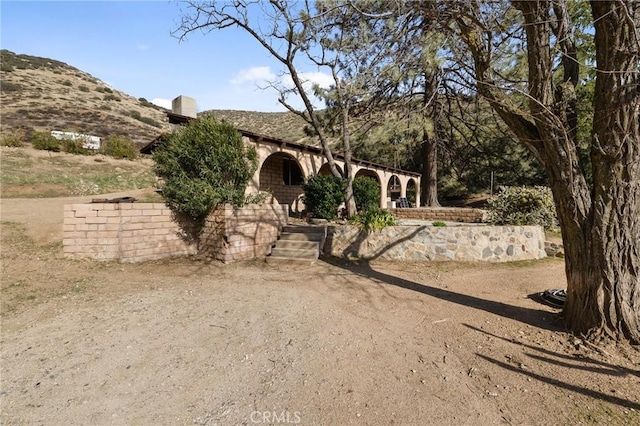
271	180
445	214
126	232
232	234
431	243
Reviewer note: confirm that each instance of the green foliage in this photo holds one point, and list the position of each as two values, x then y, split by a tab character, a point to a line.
202	165
439	224
135	114
83	88
15	139
323	195
45	141
515	205
5	86
111	97
374	219
67	83
119	147
150	121
105	107
366	191
75	147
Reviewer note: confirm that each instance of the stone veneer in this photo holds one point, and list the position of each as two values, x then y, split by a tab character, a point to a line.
431	243
231	234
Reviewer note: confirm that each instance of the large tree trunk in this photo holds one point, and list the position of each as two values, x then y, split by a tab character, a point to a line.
429	171
429	192
614	238
600	224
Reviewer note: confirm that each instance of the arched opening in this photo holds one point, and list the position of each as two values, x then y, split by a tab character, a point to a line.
367	189
393	188
282	176
412	192
325	170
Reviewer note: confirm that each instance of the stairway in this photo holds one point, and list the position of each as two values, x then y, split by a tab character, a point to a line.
298	244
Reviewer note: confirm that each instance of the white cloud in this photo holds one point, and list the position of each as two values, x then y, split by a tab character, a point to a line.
253	75
164	103
309	79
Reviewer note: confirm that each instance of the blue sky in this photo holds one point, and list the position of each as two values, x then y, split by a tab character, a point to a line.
129	46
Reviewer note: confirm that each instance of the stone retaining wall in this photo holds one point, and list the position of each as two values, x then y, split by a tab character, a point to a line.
430	243
233	234
445	214
127	232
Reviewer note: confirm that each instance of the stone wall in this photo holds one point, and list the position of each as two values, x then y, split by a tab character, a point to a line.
445	214
430	243
127	232
232	234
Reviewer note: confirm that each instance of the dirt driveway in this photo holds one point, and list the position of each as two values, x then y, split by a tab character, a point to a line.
193	342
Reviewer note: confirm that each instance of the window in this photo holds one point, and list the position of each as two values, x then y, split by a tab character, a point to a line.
291	173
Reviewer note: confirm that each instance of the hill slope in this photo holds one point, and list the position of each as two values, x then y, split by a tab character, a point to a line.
45	94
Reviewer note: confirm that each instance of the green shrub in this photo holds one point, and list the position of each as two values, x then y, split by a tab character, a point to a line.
150	121
119	147
83	88
75	147
203	164
105	107
6	86
323	195
439	223
522	205
135	114
374	219
111	97
67	83
45	141
15	139
366	191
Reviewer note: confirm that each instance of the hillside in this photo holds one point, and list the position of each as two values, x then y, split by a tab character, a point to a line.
44	94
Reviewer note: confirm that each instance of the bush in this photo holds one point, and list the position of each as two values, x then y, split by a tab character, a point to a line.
75	147
323	195
374	219
150	121
202	165
45	141
439	224
15	139
366	191
67	83
515	205
83	88
119	147
111	97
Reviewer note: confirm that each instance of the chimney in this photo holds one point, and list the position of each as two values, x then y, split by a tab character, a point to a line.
184	105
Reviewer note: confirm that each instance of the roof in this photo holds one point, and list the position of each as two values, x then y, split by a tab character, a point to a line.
182	119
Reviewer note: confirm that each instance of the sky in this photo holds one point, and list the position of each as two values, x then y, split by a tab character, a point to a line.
129	46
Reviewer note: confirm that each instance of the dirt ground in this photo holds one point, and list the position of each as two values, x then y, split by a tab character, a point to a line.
188	341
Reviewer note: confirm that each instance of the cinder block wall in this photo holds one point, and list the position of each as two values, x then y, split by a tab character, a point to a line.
232	234
127	232
446	214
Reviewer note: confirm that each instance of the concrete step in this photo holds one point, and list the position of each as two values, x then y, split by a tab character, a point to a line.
305	229
275	260
297	244
295	253
299	236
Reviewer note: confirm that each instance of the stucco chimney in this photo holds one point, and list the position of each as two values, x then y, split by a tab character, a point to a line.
184	105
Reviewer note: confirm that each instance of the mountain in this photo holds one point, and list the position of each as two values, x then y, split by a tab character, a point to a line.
41	94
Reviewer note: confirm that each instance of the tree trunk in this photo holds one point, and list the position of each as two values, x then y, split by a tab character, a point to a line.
600	224
613	289
429	171
429	191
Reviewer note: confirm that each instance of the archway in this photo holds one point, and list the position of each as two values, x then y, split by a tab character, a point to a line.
393	188
325	170
412	192
282	176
